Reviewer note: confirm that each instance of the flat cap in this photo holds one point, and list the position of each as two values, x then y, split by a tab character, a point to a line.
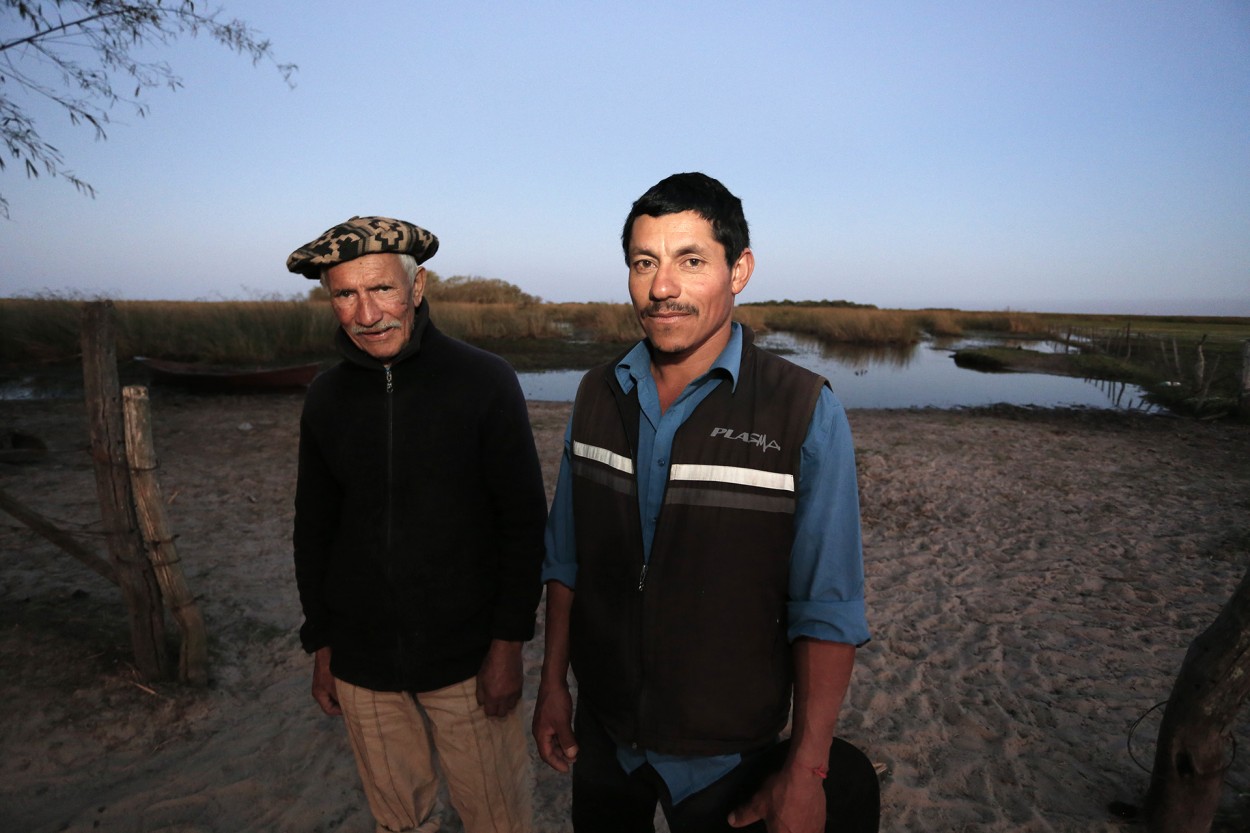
362	236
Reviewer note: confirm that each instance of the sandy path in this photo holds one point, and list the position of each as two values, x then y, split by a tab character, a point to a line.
1034	580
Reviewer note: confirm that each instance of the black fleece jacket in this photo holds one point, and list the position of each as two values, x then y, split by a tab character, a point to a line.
419	513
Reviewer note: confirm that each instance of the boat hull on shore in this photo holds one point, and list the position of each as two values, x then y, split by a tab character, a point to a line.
216	379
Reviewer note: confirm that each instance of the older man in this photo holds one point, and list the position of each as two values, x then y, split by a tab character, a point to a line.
419	516
703	559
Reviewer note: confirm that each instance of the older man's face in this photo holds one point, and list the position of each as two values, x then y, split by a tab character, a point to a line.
375	303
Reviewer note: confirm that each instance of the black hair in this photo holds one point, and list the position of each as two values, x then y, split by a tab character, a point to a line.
701	194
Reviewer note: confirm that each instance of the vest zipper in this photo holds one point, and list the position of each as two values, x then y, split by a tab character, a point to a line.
644	691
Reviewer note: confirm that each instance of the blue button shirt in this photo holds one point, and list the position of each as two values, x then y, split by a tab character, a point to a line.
826	565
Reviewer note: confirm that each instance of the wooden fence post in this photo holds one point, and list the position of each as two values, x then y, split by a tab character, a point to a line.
159	540
108	452
1200	365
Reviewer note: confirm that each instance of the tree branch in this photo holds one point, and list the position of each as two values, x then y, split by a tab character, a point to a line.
62	27
109	30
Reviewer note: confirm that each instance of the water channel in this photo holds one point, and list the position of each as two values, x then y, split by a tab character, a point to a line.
912	376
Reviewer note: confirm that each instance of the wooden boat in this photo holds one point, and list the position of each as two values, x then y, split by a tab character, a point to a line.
216	378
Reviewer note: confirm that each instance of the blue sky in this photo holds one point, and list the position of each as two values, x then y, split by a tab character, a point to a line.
1074	156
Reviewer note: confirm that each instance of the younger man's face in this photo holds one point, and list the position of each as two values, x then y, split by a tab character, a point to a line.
681	287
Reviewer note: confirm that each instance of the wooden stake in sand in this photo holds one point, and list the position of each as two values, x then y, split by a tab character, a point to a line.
108	451
157	538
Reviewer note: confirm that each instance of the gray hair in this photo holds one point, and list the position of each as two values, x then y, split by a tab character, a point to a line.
407	261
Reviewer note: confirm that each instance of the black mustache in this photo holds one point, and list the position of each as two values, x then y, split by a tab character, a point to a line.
658	309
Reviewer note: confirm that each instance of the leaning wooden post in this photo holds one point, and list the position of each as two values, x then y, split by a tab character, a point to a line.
112	477
1194	748
1200	365
150	507
38	523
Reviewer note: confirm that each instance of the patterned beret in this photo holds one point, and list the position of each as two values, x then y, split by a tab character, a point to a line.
362	236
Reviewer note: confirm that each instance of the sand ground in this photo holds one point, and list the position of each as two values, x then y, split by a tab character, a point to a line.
1034	579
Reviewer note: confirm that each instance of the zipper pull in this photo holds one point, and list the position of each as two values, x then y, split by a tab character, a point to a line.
642	579
389	380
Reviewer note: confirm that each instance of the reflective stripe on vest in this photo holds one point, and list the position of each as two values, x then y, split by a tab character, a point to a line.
607	468
731	487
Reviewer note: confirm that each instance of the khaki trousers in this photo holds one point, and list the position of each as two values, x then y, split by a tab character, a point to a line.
397	739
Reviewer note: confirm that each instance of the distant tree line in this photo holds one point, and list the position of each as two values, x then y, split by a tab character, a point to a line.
460	289
813	304
473	289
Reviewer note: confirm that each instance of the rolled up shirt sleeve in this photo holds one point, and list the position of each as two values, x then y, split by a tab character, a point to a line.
826	562
560	561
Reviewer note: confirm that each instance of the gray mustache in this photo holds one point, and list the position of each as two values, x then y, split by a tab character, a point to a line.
360	331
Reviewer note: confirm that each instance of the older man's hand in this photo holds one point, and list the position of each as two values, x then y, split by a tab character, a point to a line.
323	686
499	679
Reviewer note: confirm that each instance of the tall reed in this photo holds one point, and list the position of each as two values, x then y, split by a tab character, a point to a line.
597	321
225	331
1017	323
236	332
833	324
864	325
47	329
39	329
474	321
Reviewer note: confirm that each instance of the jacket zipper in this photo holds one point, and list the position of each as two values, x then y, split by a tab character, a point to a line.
390	464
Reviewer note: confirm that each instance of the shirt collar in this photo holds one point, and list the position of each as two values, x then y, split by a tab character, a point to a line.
636	365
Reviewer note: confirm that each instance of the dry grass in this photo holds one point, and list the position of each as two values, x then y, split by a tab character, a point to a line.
835	324
598	321
478	322
46	329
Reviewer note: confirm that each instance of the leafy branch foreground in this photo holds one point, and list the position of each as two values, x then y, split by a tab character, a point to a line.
81	56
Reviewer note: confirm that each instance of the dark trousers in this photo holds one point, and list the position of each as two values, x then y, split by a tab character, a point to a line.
607	800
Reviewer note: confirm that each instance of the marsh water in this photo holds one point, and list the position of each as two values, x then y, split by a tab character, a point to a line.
922	375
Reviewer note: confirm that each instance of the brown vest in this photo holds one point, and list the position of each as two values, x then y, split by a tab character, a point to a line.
690	656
